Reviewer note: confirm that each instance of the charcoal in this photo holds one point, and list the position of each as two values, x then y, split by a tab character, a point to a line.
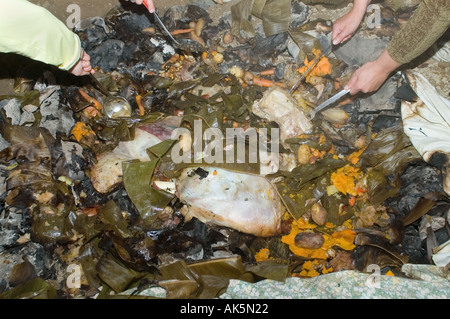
92	32
108	54
417	180
299	14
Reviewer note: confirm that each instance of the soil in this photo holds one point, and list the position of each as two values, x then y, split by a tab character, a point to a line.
90	8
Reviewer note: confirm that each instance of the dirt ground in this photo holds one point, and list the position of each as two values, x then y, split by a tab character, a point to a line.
63	9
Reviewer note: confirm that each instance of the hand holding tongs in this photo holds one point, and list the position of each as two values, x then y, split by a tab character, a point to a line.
151	8
328	102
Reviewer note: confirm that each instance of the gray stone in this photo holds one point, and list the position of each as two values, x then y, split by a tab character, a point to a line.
359	50
73	153
12	109
381	100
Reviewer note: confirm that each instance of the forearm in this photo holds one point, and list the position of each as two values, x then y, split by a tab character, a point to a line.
360	8
33	31
428	23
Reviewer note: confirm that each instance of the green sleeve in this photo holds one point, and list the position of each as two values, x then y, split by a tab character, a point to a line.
33	31
428	23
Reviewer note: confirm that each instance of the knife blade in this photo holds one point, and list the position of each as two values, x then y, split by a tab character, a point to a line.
328	102
151	8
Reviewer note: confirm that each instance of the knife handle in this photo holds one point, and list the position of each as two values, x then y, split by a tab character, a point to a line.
149	5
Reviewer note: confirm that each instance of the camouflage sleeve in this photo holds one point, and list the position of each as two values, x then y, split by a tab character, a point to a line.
428	23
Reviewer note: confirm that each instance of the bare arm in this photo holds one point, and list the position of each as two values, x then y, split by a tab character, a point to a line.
372	75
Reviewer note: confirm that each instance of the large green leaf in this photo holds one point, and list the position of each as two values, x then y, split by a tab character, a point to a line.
137	179
36	288
276	16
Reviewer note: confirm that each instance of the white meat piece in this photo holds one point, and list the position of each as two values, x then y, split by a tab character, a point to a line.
247	203
278	106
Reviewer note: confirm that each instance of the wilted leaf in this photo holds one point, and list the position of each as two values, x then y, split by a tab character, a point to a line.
114	273
276	16
137	179
241	24
36	288
305	42
111	216
270	270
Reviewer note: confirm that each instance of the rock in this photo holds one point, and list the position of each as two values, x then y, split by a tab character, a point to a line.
381	100
108	54
92	32
299	14
73	153
21	273
12	109
359	50
56	117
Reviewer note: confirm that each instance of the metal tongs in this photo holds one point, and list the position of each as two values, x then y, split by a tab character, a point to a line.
183	44
151	8
328	102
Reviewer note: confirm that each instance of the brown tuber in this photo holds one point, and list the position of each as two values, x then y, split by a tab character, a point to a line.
309	240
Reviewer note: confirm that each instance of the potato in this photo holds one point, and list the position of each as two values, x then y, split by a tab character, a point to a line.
318	214
303	154
309	240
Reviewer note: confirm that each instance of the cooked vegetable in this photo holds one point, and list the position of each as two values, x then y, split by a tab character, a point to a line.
266	83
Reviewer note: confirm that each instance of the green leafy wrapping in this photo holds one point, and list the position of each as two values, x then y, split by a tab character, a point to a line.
137	179
385	144
209	279
328	3
303	174
385	159
115	274
89	255
305	42
111	216
241	24
36	288
276	16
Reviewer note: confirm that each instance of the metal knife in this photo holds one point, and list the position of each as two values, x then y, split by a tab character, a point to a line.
328	102
151	8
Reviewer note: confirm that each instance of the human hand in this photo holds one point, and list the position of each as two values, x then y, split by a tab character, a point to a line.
371	76
346	26
136	1
83	66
